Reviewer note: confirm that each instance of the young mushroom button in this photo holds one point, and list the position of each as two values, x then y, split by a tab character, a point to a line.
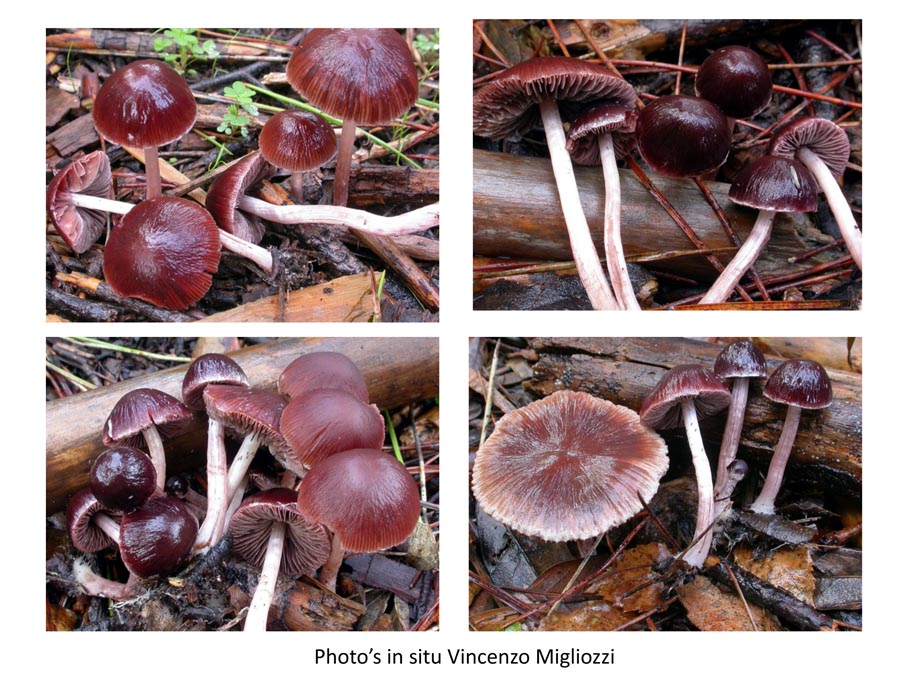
157	537
297	141
735	79
681	397
569	466
123	478
800	384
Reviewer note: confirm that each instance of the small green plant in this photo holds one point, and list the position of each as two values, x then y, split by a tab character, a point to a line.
237	117
429	46
188	49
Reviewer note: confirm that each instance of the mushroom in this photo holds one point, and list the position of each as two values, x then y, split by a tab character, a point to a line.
297	141
365	497
228	188
569	466
90	526
268	531
140	419
363	76
737	80
144	105
735	472
602	135
123	478
682	136
825	149
157	537
772	185
164	251
800	384
323	370
323	422
681	397
512	104
79	225
740	361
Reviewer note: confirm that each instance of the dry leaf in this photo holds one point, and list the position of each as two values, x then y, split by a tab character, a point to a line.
790	569
711	609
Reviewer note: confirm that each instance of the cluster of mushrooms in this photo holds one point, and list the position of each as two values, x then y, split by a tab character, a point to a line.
571	466
678	136
321	429
165	250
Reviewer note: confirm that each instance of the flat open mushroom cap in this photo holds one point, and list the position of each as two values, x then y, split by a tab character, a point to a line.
84	535
662	406
228	188
306	544
508	106
144	104
78	226
735	79
209	369
157	537
607	118
323	370
775	184
740	359
165	251
296	140
823	137
569	466
140	409
800	382
364	496
362	74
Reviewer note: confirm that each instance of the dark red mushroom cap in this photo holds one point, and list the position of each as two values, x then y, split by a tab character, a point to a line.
296	140
306	544
681	136
83	533
508	106
800	382
609	118
662	406
228	188
209	369
89	175
362	74
775	184
737	80
140	409
740	359
364	496
323	370
164	251
144	104
324	422
157	537
823	137
569	466
246	410
123	478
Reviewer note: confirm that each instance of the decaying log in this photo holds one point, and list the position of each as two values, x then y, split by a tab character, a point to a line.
397	371
828	448
517	215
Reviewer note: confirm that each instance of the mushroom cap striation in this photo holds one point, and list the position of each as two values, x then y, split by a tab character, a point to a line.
297	140
209	369
775	184
662	406
823	137
740	359
800	382
140	409
569	466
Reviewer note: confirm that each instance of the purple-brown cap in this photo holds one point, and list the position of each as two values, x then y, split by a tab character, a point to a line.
801	383
740	359
83	533
608	118
775	184
569	466
157	537
123	478
209	369
296	140
735	79
140	409
246	410
362	74
366	497
79	227
822	137
306	544
323	370
662	406
228	188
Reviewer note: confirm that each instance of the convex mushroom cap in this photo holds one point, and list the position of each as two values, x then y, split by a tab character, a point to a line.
123	478
775	184
661	408
737	80
157	537
606	118
142	409
86	535
323	370
296	140
210	369
569	466
800	382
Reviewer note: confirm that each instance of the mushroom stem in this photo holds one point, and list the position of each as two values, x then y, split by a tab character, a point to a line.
418	220
296	181
109	526
157	455
241	461
96	585
735	474
765	502
695	555
583	251
258	614
216	479
745	257
733	426
342	168
837	201
151	168
256	254
612	228
329	571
